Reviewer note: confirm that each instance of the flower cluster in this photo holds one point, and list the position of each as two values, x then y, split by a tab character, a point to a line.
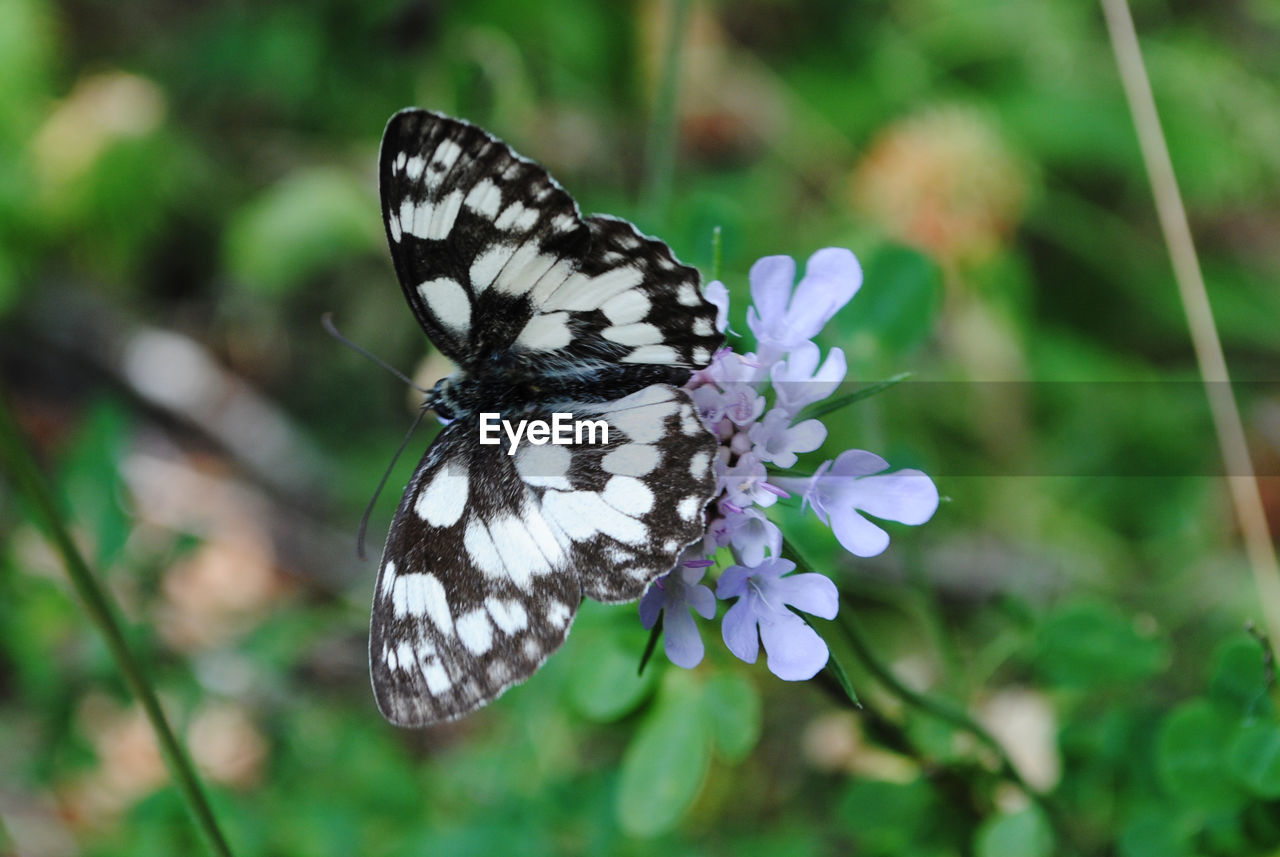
754	404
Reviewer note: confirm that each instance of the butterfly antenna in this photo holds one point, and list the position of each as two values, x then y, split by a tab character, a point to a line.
377	492
327	321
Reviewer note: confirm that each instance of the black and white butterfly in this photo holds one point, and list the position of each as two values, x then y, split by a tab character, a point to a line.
544	311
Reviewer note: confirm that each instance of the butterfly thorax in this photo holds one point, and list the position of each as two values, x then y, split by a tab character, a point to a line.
506	386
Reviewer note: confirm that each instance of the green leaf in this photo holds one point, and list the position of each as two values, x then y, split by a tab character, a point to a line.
665	765
1156	832
1254	759
839	673
821	409
733	707
650	645
888	818
1240	676
299	227
90	480
899	299
605	685
1086	645
1191	756
1022	834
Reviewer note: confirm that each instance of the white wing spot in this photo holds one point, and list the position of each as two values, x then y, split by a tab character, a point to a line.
633	334
690	424
688	295
441	503
509	615
545	466
563	222
701	356
698	465
703	327
632	459
582	514
546	332
475	632
484	199
448	302
446	155
558	614
653	354
487	265
670	545
627	307
518	217
436	678
481	549
442	219
532	649
525	268
689	507
393	224
628	495
388	578
400	160
437	603
580	292
413	168
518	552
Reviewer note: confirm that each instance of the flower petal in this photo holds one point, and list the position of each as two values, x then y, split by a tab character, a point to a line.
733	582
771	280
856	534
739	631
701	599
651	604
809	593
681	640
857	462
906	496
794	651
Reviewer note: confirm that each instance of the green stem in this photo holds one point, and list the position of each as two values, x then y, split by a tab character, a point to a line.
821	410
948	713
660	156
20	464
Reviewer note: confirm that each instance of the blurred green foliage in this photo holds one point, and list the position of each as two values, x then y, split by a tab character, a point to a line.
209	169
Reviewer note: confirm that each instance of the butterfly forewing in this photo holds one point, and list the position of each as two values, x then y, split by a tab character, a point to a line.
493	254
548	312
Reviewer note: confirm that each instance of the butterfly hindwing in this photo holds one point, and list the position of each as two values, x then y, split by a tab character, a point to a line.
490	553
474	590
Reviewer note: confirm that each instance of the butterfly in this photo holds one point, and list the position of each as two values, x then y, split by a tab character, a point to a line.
544	311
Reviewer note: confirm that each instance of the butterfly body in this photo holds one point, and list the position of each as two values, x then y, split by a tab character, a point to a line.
545	312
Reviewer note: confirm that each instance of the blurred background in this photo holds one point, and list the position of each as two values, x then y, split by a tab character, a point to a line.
186	187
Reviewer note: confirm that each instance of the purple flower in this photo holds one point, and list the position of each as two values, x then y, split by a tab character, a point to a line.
751	534
777	441
675	594
841	490
782	319
795	651
743	483
798	381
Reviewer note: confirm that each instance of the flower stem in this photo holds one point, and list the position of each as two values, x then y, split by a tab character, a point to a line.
946	712
1241	479
20	465
660	154
815	411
